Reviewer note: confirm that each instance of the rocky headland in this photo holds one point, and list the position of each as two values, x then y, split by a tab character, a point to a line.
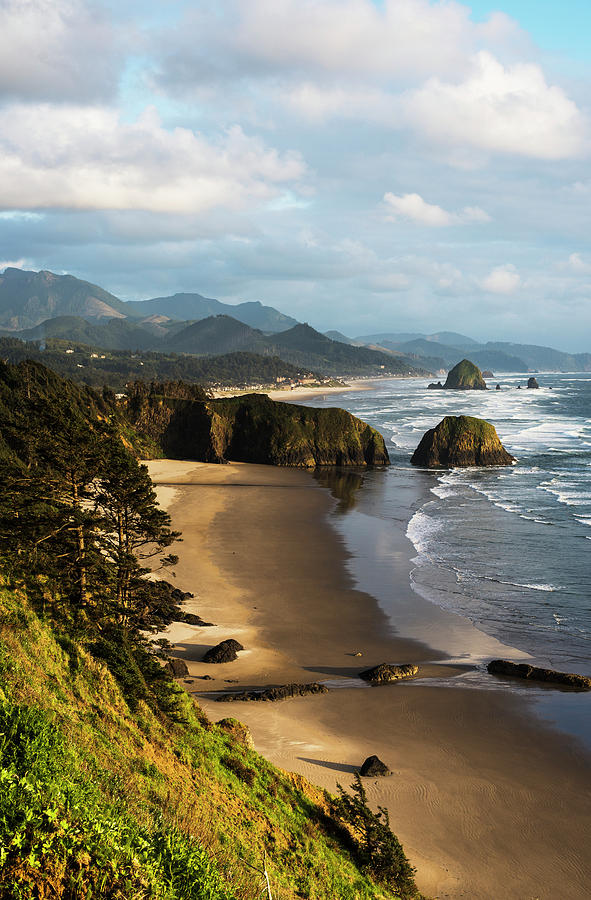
252	428
461	441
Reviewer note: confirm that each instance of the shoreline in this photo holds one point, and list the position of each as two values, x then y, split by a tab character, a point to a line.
478	783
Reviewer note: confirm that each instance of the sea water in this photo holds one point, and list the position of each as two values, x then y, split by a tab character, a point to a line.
508	548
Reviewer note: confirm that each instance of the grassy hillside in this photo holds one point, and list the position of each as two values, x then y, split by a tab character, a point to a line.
113	783
99	800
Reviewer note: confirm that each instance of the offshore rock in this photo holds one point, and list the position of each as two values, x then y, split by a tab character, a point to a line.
498	387
435	386
283	692
465	376
532	383
534	673
487	374
461	441
385	673
224	652
373	766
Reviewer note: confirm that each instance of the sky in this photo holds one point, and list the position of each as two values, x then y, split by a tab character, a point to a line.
362	165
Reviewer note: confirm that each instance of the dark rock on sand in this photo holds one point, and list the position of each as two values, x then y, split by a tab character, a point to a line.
461	441
283	692
385	673
177	668
373	766
224	652
465	376
238	731
193	619
534	673
532	383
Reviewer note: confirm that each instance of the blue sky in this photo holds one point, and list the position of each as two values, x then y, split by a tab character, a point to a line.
404	165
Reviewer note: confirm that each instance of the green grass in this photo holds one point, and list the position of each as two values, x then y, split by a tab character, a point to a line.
101	800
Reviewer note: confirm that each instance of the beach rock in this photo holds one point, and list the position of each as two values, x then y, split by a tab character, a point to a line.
487	374
193	619
465	376
498	387
435	386
461	441
177	668
385	673
534	673
224	652
238	731
532	383
374	766
283	692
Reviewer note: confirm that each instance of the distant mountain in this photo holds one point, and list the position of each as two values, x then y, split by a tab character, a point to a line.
441	337
215	335
194	306
339	336
115	334
28	298
543	358
303	345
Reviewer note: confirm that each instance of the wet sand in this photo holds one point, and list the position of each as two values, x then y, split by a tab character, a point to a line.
488	802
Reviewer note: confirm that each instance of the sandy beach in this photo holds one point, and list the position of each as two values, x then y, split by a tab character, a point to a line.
489	802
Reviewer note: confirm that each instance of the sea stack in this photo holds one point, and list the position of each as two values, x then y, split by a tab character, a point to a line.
532	383
461	441
465	376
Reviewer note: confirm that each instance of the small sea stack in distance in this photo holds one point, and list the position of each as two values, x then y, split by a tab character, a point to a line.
461	441
532	383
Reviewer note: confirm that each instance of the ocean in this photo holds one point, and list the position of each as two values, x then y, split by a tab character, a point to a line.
507	548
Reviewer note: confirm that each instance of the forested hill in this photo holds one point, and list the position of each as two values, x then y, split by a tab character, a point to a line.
113	783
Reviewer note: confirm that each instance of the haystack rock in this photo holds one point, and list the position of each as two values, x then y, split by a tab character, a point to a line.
465	376
461	441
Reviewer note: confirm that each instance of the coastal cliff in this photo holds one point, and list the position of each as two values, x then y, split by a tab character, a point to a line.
461	441
253	428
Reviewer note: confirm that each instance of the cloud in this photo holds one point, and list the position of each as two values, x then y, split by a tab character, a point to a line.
77	157
500	109
57	49
577	264
502	280
414	208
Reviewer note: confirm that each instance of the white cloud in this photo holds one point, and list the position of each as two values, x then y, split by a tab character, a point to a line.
63	49
500	109
89	158
11	264
502	280
577	264
358	37
414	208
